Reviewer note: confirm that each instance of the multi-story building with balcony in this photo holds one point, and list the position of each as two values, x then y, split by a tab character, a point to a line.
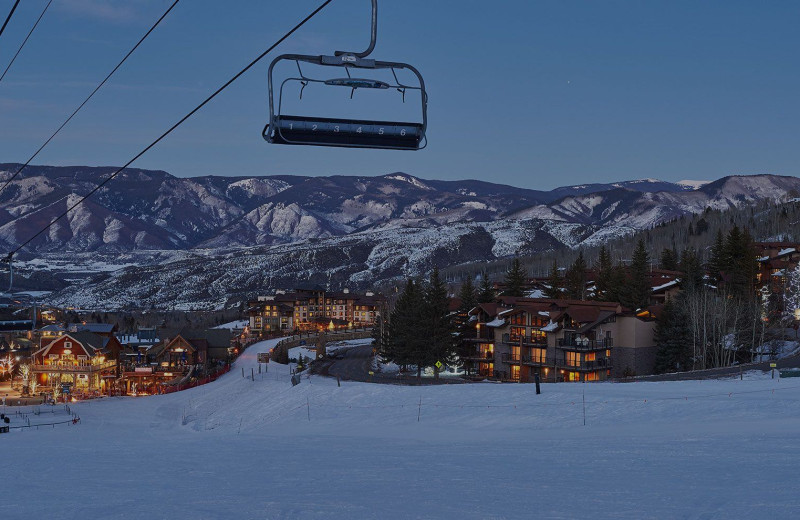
565	340
478	352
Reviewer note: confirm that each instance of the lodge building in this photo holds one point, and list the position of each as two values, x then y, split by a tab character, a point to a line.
177	358
560	340
314	308
79	362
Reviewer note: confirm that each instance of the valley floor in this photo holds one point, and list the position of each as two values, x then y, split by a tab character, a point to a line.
263	449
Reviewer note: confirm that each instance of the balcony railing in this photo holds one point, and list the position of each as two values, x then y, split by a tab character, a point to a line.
481	356
577	343
75	368
558	362
597	364
513	359
526	340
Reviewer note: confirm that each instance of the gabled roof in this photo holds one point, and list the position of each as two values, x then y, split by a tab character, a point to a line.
91	343
489	308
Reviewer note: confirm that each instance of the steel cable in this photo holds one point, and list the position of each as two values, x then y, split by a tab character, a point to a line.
172	128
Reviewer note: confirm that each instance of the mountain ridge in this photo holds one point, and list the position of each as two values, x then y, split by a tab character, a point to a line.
352	229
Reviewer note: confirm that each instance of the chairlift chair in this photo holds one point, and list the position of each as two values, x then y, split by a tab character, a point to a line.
348	133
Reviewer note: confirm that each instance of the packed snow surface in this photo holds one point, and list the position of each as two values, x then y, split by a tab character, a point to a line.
262	449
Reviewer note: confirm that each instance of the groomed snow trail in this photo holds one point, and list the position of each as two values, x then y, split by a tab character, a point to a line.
245	449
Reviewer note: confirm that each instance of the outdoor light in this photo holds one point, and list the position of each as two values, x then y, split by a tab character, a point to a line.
797	314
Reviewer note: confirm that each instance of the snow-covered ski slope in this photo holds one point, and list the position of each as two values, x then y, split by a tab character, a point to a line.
246	449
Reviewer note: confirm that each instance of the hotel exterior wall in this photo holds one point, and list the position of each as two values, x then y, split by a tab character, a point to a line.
635	351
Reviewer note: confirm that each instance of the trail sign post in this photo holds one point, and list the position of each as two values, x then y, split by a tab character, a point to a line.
773	366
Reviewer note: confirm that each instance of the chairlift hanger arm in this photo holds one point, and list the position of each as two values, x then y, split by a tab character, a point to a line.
373	36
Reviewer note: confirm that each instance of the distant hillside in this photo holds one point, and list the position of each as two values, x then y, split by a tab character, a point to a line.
211	242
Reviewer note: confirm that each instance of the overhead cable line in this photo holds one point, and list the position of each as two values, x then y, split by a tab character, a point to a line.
143	38
14	8
10	255
26	40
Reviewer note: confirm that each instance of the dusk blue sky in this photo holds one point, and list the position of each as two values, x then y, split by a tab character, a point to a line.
536	94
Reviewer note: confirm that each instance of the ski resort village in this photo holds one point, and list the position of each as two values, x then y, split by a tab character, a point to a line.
510	260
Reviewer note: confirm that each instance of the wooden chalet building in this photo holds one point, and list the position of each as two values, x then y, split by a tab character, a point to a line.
81	362
179	357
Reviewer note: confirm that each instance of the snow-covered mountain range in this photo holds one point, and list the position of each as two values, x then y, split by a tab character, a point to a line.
211	240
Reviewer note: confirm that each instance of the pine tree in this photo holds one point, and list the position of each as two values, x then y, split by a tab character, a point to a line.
742	264
486	291
575	279
437	326
691	270
604	282
669	259
636	292
702	226
468	296
404	337
717	262
673	339
516	279
555	283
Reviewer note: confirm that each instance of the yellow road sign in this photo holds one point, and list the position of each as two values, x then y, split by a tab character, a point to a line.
439	364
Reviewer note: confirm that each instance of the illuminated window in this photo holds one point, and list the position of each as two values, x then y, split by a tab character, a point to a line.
574	376
538	355
573	359
515	372
518	319
537	336
590	356
592	376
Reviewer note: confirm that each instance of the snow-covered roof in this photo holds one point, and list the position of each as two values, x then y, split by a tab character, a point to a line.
497	322
550	327
787	251
667	285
